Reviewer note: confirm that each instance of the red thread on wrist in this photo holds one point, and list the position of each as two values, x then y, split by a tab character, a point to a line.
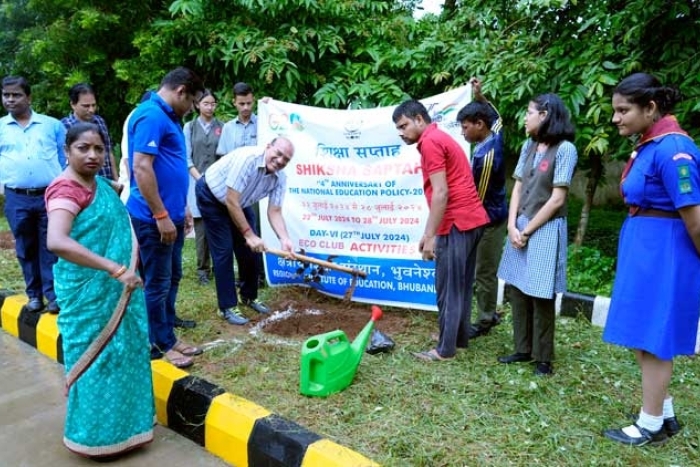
245	231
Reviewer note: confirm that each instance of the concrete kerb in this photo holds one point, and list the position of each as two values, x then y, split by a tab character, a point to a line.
236	430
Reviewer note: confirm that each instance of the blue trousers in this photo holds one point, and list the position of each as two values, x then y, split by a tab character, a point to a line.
225	242
28	222
455	264
161	270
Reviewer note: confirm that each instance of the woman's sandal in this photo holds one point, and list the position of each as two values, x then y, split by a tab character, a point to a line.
177	360
187	350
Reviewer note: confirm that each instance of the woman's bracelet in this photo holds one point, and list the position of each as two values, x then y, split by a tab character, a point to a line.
119	272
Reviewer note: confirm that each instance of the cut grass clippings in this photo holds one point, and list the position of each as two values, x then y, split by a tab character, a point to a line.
472	411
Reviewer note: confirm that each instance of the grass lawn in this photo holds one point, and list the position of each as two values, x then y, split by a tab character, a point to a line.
468	412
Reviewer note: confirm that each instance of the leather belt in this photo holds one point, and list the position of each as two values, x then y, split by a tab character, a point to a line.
28	191
657	213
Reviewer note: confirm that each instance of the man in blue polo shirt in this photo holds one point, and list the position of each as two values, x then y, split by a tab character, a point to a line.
158	204
31	156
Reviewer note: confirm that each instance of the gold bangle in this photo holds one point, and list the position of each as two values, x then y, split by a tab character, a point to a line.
119	272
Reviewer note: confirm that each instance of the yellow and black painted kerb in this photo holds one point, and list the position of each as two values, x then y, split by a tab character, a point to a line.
235	429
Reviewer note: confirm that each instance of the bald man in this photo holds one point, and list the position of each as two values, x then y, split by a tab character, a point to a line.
241	178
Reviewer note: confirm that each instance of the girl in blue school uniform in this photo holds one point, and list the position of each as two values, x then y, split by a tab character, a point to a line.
656	296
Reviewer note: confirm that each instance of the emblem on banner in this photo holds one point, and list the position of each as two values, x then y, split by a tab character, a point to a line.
296	122
277	122
352	128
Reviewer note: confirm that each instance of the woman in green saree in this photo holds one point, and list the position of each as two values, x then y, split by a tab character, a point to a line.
103	319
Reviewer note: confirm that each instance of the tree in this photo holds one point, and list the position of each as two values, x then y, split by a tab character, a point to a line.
579	50
56	44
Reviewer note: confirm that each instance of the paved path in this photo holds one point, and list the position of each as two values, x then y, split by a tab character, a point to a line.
32	408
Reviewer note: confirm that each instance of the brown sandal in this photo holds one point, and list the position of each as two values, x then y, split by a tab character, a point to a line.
188	350
177	360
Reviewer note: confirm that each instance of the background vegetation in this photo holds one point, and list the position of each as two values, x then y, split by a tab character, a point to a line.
340	53
351	53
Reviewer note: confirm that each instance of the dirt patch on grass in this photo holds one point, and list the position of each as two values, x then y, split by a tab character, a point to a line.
315	313
7	241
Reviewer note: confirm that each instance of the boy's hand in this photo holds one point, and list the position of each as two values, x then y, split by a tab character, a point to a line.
476	89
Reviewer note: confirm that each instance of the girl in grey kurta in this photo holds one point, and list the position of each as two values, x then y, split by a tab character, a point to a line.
201	139
534	260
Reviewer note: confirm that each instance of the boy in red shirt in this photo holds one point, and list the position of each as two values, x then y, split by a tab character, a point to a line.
455	224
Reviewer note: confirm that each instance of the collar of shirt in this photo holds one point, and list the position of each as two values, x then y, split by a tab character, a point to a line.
429	129
253	120
205	126
157	100
482	143
32	119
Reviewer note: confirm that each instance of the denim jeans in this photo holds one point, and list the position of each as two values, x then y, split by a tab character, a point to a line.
161	270
28	221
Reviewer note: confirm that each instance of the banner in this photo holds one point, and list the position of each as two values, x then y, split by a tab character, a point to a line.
355	198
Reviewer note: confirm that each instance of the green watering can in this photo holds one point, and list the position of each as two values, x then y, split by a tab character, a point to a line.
329	361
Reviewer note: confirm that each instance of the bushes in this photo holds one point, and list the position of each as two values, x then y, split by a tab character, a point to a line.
589	271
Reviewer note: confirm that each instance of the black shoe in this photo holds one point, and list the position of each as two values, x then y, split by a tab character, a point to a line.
477	330
671	424
203	278
515	358
256	305
652	439
543	369
184	323
35	305
496	319
53	307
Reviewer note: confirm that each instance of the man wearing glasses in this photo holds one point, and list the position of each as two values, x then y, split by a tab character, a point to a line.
232	184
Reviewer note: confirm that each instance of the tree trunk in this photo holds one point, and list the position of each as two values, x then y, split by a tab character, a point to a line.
450	7
596	172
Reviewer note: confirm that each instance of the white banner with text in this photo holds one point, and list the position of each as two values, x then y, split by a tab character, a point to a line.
355	197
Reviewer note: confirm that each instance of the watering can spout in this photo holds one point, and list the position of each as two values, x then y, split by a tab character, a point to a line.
360	343
329	362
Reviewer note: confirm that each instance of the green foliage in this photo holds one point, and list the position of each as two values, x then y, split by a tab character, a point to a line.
604	226
589	271
56	44
345	53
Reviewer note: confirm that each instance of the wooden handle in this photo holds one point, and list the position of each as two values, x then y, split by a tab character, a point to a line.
318	262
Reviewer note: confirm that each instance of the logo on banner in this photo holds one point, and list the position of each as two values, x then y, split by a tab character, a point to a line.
296	122
277	122
352	128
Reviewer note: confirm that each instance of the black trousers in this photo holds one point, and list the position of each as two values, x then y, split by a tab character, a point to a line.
455	264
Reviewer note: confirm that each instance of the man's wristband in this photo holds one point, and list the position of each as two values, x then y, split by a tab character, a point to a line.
161	215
